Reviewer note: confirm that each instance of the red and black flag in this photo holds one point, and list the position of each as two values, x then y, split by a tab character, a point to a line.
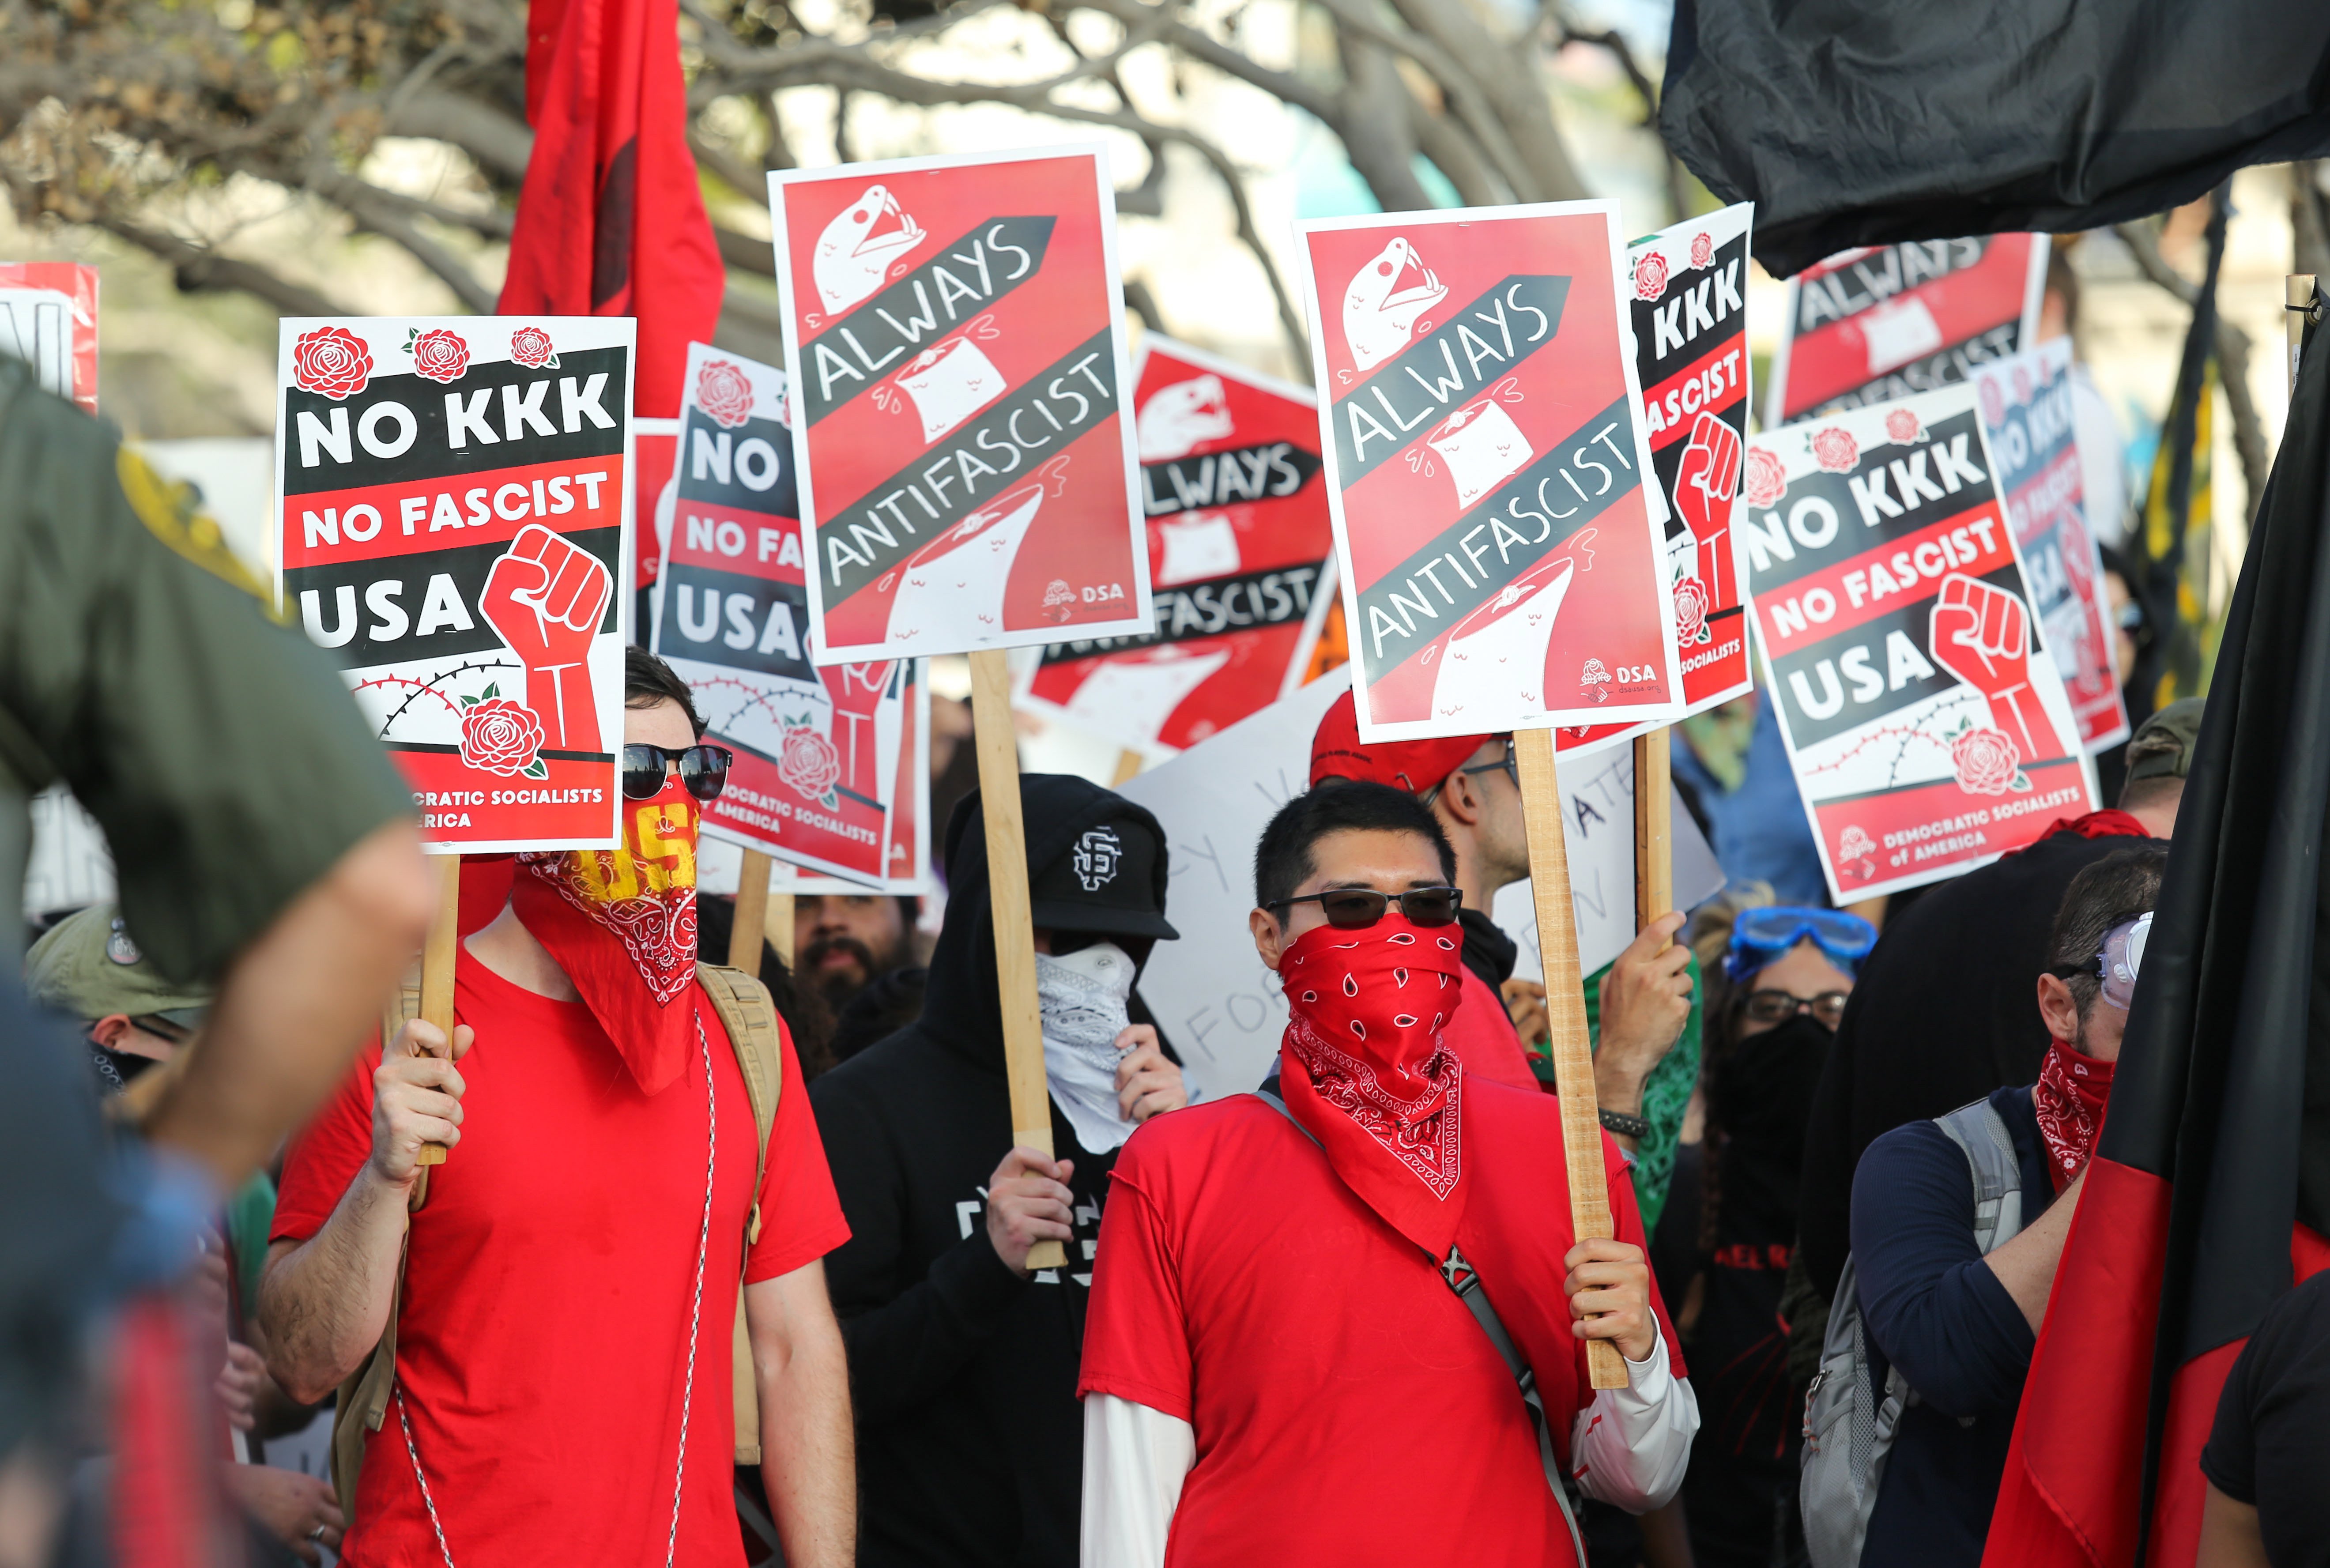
611	220
2208	1195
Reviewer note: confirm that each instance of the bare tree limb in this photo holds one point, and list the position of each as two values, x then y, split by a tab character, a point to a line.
1382	146
1464	94
198	270
362	202
1507	72
2233	346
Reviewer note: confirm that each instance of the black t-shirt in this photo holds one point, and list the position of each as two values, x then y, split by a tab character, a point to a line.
2272	1444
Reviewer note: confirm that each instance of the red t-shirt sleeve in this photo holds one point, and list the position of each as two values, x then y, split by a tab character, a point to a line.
327	1153
801	1216
1136	1338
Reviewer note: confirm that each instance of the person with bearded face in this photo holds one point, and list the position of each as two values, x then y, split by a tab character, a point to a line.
844	942
1279	1366
1782	983
567	1304
1960	1324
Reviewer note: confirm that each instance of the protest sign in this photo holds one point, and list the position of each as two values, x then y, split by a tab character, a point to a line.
1688	299
956	335
1239	553
1209	991
1503	560
1927	728
453	503
831	768
2027	413
654	443
1867	326
47	319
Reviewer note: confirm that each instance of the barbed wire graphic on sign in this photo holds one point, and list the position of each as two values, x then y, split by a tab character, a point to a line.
429	688
1906	734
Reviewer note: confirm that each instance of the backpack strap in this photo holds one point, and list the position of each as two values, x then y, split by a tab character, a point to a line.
1464	1280
749	1016
1981	1133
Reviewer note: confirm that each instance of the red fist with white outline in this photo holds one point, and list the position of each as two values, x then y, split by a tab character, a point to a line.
1705	482
546	597
1980	634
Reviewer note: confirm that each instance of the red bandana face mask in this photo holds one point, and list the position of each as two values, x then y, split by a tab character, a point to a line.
1364	1071
2070	1100
622	923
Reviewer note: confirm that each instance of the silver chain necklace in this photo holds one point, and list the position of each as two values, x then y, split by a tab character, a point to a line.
694	1321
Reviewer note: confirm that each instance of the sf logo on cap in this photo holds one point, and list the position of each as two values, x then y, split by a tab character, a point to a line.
1096	857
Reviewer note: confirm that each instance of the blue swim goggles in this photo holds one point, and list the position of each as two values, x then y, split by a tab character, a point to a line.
1761	935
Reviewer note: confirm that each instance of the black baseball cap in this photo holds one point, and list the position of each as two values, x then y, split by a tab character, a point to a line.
1106	881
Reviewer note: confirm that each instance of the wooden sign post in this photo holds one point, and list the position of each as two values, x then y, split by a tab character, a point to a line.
437	952
1653	828
1565	1006
1007	905
745	936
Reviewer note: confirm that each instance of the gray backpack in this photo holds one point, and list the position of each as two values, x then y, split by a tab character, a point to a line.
1849	1422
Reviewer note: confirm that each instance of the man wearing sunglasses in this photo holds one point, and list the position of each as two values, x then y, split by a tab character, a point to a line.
565	1305
1958	1322
1281	1363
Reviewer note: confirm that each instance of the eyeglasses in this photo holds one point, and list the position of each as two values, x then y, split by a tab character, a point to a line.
1760	934
703	768
162	1028
1356	908
1510	767
1771	1006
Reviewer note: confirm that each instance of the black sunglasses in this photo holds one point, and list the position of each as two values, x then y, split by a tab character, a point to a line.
1771	1006
1356	908
703	768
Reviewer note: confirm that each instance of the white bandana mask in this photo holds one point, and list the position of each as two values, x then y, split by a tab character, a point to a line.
1083	999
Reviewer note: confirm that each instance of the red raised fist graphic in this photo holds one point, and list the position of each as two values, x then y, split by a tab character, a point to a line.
546	597
1981	634
1704	484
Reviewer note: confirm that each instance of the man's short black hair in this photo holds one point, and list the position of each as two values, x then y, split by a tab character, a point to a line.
1282	861
2118	887
647	680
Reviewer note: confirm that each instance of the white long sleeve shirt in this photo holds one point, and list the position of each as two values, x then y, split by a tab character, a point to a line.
1629	1448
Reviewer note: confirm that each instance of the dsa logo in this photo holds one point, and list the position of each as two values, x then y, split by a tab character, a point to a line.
1636	675
1096	858
1594	680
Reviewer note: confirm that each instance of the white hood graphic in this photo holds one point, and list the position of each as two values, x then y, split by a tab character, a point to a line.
1177	419
1500	648
1200	546
949	383
854	252
953	586
1131	696
1481	447
1384	298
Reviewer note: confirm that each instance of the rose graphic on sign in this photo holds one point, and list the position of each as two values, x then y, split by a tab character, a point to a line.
1856	846
439	355
1383	300
331	361
725	393
1901	426
1177	419
1768	478
1651	276
809	765
1702	250
531	348
1690	612
1986	762
1835	450
500	736
856	248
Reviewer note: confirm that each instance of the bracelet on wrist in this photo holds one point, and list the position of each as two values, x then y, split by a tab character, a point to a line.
1618	1123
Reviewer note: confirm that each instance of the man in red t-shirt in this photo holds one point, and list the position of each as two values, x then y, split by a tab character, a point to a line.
1472	788
1277	1366
563	1360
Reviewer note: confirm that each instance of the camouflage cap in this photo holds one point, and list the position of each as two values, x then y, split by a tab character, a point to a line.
87	967
2162	746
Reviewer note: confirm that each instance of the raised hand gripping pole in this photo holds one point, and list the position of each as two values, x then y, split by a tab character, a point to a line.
1015	929
1565	1007
437	952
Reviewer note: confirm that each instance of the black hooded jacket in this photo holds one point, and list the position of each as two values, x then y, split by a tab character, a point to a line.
970	1437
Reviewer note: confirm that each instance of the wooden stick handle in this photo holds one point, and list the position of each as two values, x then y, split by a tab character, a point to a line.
1565	1006
1654	823
752	914
1128	766
780	925
437	956
1015	929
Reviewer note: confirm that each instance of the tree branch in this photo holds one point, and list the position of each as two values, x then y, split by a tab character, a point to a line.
2233	348
199	270
1507	72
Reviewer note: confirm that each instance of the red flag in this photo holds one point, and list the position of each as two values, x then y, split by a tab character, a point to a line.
610	222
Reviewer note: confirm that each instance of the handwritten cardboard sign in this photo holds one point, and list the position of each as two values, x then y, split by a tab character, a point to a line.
1501	554
831	768
1867	326
956	343
47	319
454	507
1240	552
1924	717
2026	410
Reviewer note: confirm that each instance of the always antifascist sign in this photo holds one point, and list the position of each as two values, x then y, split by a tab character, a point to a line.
1239	549
964	456
1501	555
831	763
454	501
1925	720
